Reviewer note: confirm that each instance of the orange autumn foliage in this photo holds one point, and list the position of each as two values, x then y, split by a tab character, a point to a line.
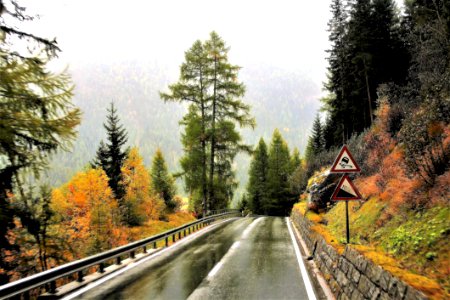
368	186
87	213
140	202
378	141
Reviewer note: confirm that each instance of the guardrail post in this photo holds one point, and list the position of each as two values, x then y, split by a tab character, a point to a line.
118	260
179	235
167	241
184	233
189	230
80	276
154	245
52	289
132	255
101	268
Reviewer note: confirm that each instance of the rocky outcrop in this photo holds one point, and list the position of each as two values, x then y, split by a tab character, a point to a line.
320	189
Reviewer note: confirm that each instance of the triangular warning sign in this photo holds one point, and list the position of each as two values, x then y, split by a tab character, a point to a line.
346	190
345	163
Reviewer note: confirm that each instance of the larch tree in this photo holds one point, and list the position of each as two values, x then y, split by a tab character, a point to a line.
37	119
140	202
87	212
36	115
210	83
226	108
192	87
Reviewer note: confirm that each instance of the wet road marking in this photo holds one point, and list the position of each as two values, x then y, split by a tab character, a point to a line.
135	264
306	280
250	227
215	269
233	248
236	245
221	262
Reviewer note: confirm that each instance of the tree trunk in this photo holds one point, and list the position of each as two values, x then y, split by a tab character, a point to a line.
213	137
204	179
369	98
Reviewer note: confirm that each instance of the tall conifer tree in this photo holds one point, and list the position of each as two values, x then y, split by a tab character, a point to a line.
162	182
278	173
210	83
226	108
37	118
111	156
257	188
367	50
192	88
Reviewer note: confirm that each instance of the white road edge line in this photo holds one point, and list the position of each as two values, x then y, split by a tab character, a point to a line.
306	280
112	275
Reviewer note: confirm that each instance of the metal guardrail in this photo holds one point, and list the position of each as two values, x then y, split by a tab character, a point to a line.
49	277
221	211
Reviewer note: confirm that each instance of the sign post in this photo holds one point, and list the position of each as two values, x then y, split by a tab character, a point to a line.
345	190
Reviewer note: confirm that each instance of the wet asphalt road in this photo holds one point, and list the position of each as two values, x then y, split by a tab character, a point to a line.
248	258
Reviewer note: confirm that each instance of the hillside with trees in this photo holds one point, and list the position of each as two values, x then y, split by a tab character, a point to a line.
389	101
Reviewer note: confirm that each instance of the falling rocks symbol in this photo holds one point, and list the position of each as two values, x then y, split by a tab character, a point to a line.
346	190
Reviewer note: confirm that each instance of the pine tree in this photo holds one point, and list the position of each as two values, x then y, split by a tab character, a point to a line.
295	160
110	156
367	50
318	141
278	173
257	188
162	182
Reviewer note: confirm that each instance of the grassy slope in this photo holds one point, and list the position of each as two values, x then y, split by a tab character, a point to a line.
412	246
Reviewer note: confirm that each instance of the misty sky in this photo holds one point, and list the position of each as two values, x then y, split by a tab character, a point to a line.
290	34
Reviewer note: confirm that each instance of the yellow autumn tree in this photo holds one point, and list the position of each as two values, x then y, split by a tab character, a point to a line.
87	213
141	204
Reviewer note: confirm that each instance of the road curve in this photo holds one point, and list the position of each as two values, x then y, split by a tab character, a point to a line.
248	258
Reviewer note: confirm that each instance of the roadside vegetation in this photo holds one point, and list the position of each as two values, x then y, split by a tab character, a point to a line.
401	140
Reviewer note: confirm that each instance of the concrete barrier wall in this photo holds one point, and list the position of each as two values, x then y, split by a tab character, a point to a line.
350	275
